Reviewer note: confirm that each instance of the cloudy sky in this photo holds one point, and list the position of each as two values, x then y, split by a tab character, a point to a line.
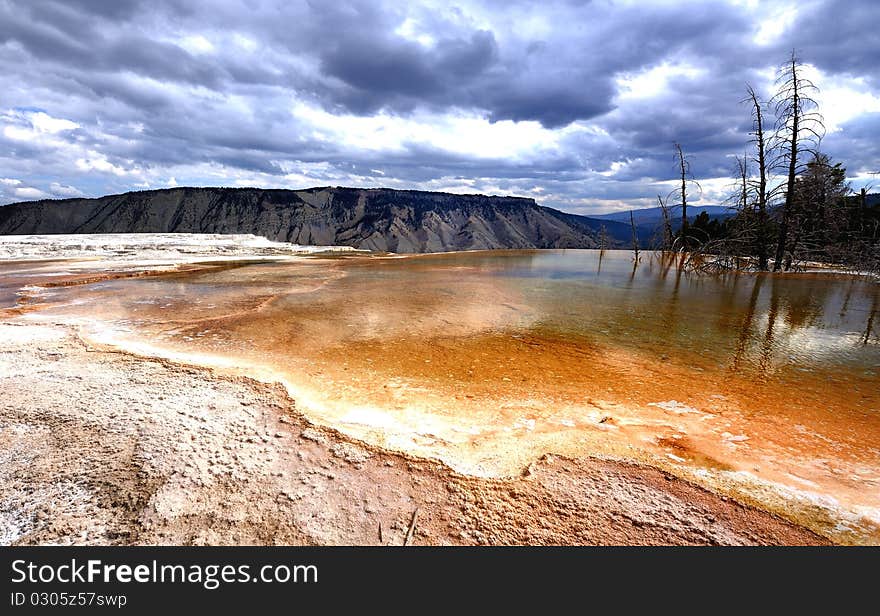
574	102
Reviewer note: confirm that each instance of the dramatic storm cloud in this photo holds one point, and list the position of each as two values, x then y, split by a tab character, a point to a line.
575	103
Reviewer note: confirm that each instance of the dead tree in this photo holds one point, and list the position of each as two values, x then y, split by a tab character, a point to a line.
863	206
744	229
635	236
762	231
667	224
683	167
603	238
686	177
742	172
733	249
799	128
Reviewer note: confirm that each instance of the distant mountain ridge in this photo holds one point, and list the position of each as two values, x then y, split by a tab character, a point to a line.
376	219
649	221
654	215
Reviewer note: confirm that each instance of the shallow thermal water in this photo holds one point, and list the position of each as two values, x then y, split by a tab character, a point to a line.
763	387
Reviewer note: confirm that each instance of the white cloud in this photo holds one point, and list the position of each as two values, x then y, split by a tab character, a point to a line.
775	24
653	81
243	42
842	97
17	133
196	44
456	133
410	30
614	168
96	161
36	128
28	192
63	190
45	123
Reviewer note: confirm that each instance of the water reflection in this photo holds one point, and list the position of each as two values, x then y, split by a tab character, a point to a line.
759	325
749	323
869	327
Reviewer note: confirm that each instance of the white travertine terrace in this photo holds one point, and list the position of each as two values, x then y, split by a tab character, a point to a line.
167	247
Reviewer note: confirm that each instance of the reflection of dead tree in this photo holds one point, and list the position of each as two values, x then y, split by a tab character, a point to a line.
871	316
746	326
666	262
668	314
768	343
846	298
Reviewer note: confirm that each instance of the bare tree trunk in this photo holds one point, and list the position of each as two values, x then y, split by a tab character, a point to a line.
761	145
635	237
667	225
797	128
863	206
684	219
743	167
792	171
792	248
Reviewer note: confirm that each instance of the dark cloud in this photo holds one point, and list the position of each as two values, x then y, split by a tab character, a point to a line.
405	71
837	37
71	9
857	145
215	93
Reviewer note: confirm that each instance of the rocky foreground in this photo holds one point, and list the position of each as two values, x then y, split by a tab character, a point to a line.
101	447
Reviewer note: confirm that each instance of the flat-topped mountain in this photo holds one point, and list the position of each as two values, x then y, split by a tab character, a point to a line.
375	219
